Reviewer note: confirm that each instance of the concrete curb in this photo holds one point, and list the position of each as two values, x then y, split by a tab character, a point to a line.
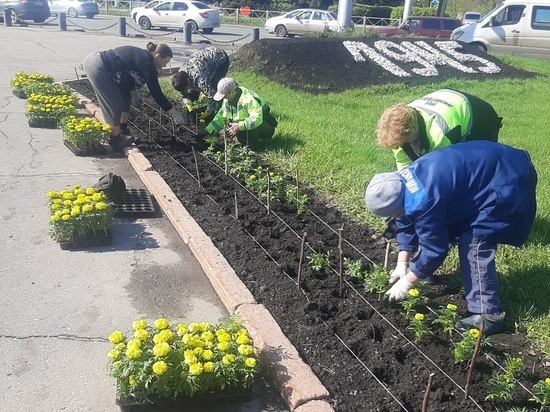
296	382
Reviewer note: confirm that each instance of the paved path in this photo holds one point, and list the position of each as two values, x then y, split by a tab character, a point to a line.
58	306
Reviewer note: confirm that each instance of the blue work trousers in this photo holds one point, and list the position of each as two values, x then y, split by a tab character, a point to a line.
477	264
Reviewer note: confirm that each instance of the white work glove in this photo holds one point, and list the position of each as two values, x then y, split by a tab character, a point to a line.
136	98
234	129
399	291
400	270
178	118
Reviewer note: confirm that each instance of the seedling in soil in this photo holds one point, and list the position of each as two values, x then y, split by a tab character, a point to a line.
503	384
419	326
352	268
376	280
446	317
414	299
320	262
464	349
542	390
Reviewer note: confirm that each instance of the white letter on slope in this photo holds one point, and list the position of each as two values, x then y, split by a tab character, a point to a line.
434	56
403	55
357	48
450	47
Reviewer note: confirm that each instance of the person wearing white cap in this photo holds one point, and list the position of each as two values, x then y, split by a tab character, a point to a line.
482	193
244	113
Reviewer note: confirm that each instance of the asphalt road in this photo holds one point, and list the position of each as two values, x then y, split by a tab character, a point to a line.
225	34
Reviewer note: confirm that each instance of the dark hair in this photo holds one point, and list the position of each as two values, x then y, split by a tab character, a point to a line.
162	49
181	81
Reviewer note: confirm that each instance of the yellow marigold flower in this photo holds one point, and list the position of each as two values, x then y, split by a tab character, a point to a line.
194	327
198	351
54	206
181	329
117	364
139	324
160	367
55	218
252	177
75	211
452	307
141	334
120	346
87	208
228	359
100	206
204	326
207	354
250	362
224	337
224	346
190	359
134	343
161	349
116	337
165	335
65	217
195	369
474	333
68	202
113	354
547	381
51	194
419	317
242	339
208	367
245	350
414	292
207	336
162	323
132	380
133	353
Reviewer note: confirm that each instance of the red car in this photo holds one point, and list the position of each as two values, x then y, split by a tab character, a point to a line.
427	26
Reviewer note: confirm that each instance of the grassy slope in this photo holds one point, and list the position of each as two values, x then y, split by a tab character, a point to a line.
330	141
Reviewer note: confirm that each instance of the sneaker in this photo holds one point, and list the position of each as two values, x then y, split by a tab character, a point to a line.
118	143
492	324
125	132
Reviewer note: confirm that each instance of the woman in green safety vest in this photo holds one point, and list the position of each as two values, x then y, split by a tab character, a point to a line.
434	121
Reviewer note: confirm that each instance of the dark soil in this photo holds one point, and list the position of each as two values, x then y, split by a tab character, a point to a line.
358	345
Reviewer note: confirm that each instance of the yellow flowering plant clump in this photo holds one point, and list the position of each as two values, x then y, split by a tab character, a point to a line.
80	212
23	83
50	106
464	348
85	132
163	360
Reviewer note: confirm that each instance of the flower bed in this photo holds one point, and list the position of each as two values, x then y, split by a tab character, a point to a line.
85	136
80	217
156	362
23	84
47	110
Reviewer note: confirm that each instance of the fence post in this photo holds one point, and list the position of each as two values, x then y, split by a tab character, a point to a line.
255	33
62	21
237	11
122	26
364	23
187	29
7	18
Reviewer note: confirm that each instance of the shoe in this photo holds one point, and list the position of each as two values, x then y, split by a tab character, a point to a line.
125	132
118	143
492	324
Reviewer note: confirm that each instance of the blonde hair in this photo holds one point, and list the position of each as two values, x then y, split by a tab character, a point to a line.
396	126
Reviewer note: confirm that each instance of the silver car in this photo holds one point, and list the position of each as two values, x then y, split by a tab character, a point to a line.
302	21
177	13
74	8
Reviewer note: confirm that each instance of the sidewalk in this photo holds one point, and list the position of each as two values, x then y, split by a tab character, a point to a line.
59	306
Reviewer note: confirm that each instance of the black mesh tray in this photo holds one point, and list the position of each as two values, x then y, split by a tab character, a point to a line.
135	203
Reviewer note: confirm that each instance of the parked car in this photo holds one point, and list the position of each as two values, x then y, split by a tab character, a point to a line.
177	13
471	17
35	10
149	5
302	21
428	26
517	27
74	8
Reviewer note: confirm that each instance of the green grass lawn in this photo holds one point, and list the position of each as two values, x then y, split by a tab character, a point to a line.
330	141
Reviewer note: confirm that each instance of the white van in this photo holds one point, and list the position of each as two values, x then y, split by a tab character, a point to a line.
518	27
